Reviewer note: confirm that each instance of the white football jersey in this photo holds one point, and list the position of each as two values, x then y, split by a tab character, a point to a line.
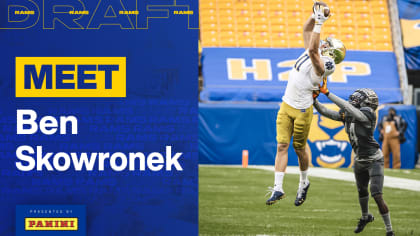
303	81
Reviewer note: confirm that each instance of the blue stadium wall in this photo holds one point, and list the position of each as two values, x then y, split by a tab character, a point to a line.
225	129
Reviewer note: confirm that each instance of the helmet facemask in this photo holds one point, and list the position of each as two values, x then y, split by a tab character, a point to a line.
357	98
364	98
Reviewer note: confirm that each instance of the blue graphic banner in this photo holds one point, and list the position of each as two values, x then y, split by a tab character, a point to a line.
99	108
409	12
226	129
258	74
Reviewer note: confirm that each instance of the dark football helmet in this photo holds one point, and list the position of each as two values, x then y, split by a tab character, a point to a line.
364	98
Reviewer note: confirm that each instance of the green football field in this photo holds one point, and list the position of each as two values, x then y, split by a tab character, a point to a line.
232	202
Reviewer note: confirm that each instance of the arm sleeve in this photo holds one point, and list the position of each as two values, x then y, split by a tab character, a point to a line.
327	112
356	113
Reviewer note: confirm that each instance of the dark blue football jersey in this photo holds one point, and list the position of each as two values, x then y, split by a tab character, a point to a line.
361	134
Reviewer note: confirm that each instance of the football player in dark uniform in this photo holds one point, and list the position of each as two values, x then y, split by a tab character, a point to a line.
359	118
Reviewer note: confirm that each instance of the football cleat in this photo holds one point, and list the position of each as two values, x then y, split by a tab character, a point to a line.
301	195
390	233
275	196
362	223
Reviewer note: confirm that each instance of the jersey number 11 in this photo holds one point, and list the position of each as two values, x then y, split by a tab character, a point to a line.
300	61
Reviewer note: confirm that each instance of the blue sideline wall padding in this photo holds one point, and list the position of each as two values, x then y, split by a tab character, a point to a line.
225	129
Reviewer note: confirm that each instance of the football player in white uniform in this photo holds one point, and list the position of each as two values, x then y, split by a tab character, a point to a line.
295	114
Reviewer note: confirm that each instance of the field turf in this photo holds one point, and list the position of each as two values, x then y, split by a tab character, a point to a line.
232	202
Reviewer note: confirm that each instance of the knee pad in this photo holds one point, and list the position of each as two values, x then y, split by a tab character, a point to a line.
363	192
375	189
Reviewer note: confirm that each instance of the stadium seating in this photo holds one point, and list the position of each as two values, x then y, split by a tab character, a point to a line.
361	24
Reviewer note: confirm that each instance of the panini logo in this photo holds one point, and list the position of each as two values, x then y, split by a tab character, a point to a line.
70	76
51	224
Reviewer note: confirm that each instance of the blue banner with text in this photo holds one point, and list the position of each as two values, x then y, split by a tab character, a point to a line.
261	74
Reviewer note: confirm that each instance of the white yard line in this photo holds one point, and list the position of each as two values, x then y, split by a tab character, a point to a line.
391	182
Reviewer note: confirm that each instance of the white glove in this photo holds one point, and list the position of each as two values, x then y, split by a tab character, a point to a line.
318	14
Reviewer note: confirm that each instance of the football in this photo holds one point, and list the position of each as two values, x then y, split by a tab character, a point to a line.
326	11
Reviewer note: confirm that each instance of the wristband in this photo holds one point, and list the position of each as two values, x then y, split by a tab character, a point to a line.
328	93
317	28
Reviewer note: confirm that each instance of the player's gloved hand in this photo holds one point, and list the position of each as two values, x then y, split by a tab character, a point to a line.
319	13
323	89
315	94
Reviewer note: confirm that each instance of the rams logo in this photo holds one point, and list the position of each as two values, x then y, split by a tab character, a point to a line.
328	142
